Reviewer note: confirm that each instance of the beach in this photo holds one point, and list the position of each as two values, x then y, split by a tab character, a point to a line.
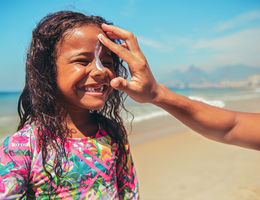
174	162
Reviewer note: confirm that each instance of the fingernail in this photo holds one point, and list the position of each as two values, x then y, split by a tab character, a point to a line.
100	37
105	24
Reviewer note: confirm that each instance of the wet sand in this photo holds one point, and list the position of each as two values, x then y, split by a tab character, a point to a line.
173	162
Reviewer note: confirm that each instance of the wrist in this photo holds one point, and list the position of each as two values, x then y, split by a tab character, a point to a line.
159	94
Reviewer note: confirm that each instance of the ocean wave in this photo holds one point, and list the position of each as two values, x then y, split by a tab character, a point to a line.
257	90
241	97
147	112
216	103
4	119
147	116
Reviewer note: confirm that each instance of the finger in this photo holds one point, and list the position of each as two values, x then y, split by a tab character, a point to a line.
119	84
111	35
122	52
124	45
119	32
122	34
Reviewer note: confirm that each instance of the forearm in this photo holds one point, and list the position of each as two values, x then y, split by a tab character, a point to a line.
230	127
210	121
215	123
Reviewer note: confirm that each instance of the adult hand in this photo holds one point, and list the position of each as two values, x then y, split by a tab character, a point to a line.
142	87
218	124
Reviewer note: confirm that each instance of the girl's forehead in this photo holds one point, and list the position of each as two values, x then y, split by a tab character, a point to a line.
84	33
86	30
80	39
83	37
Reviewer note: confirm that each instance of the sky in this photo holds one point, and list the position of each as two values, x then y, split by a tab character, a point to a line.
172	34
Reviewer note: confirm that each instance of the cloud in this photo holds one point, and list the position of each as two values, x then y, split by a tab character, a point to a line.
242	47
248	38
152	43
238	21
166	44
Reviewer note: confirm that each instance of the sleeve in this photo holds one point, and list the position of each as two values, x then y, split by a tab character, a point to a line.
15	162
127	180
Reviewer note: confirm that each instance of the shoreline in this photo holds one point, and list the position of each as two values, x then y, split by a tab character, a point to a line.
160	126
174	162
147	130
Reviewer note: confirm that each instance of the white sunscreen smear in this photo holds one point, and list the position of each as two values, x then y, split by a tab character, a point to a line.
98	49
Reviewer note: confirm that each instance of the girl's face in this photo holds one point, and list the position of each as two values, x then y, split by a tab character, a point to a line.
81	84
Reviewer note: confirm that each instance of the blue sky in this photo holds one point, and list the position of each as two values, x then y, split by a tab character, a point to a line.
172	34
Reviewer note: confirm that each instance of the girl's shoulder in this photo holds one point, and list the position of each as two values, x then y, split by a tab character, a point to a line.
21	141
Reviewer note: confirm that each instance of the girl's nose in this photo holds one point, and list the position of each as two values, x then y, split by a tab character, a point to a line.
96	72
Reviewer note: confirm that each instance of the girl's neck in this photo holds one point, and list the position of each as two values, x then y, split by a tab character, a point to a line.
81	124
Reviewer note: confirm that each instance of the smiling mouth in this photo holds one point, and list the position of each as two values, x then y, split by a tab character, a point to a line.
93	90
96	90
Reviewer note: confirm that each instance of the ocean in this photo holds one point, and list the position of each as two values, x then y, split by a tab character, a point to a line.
220	97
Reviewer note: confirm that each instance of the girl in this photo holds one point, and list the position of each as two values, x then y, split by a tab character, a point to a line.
70	142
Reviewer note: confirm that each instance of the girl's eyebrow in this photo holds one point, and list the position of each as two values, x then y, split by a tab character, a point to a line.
89	54
82	54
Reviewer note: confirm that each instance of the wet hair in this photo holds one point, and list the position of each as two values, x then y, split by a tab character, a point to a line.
38	101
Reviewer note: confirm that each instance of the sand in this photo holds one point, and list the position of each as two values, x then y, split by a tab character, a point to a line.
173	162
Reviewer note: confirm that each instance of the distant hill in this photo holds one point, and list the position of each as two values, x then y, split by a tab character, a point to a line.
195	76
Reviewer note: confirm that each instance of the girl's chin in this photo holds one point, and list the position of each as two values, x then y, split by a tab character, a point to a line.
96	106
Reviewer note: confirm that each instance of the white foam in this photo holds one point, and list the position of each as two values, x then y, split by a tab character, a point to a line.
217	103
257	90
4	119
143	113
150	115
245	96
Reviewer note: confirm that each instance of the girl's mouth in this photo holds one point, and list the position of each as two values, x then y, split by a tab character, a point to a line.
94	90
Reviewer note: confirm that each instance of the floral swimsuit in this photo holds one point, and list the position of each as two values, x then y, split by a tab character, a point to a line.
89	173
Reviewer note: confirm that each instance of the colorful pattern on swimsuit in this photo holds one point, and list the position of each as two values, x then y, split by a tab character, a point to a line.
90	172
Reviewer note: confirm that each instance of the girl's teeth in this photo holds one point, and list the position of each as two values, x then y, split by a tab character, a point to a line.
95	89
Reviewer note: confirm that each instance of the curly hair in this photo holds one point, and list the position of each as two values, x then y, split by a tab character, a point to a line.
38	100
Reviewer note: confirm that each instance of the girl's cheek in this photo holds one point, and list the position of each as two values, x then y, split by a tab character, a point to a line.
77	69
78	74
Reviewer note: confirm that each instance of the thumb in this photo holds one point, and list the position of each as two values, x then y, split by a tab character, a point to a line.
119	84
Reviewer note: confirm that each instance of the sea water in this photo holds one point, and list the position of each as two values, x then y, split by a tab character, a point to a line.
219	97
8	113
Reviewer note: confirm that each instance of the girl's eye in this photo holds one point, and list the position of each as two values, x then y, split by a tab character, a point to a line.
82	62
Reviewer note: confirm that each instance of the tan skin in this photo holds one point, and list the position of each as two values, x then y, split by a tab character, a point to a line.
237	128
77	74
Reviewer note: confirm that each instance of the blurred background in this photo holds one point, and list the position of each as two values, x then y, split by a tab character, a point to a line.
205	50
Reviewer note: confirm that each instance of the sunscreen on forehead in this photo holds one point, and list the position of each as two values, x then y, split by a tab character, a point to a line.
98	49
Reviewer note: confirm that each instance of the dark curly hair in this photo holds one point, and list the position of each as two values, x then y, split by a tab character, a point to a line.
38	100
